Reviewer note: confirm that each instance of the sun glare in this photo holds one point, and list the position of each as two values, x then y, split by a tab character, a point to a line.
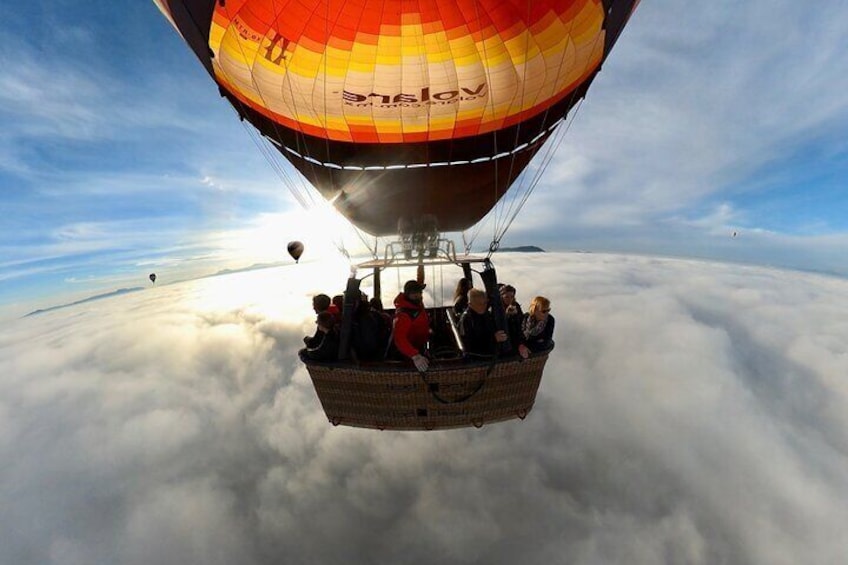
280	293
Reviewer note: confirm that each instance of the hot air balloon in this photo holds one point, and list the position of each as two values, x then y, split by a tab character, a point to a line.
397	109
295	249
152	278
413	119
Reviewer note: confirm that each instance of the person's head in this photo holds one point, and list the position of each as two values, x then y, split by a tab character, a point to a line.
324	321
540	307
462	288
338	300
376	304
412	290
477	300
507	294
320	302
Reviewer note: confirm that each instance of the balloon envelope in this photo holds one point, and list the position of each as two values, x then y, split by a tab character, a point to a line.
295	249
397	109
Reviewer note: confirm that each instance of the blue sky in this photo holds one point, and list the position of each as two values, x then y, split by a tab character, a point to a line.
119	158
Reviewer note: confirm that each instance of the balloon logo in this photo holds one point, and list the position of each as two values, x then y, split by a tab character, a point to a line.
152	278
295	249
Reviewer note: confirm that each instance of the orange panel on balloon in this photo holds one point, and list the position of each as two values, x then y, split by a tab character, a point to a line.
387	71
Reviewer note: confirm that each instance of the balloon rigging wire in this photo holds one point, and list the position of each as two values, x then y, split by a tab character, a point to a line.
495	187
300	195
511	196
501	210
301	192
481	224
552	146
552	149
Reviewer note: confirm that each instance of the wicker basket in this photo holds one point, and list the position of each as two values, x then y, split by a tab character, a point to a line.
452	394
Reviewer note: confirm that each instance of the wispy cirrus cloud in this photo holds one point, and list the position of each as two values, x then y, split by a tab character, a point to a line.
696	100
705	118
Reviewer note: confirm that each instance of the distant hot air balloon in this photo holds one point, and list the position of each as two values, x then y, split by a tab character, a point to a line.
396	109
295	249
152	278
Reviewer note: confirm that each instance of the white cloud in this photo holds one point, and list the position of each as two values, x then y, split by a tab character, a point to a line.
692	412
693	101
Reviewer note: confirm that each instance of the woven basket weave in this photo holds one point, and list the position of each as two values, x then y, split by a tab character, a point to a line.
449	395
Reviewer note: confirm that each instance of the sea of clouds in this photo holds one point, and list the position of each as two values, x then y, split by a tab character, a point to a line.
692	412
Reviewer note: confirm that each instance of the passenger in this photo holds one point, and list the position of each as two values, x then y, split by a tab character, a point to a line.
538	326
337	310
477	327
508	298
460	296
369	335
320	303
328	348
377	306
514	316
412	325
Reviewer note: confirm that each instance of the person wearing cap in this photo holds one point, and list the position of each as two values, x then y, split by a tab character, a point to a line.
514	318
412	325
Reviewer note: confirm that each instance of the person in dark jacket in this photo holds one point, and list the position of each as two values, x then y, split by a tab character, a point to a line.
328	348
477	326
369	334
538	326
337	310
320	303
411	324
377	306
514	316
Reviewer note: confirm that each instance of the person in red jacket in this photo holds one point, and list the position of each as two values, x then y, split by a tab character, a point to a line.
412	325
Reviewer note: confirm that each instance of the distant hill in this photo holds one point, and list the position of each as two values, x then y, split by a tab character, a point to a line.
84	300
254	267
523	249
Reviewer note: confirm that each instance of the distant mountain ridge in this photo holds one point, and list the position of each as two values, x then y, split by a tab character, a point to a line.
120	291
84	300
254	267
523	249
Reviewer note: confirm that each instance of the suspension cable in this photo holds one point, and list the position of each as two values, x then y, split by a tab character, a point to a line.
552	146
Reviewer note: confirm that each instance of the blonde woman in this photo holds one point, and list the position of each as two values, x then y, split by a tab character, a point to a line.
538	326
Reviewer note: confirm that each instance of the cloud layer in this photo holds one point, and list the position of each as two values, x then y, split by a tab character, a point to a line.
692	413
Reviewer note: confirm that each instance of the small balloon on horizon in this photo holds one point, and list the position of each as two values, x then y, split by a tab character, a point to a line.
295	249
